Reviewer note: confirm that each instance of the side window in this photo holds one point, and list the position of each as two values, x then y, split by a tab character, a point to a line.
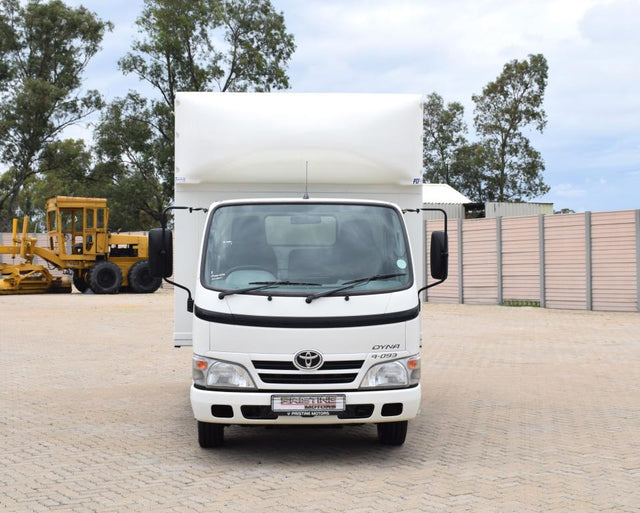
51	221
65	217
77	220
100	219
89	218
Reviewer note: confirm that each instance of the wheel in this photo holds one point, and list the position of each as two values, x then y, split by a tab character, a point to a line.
80	281
392	433
105	278
140	279
210	435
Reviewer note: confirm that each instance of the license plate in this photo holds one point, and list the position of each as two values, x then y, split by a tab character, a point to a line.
308	405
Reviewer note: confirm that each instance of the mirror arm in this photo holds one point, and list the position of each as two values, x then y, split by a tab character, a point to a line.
429	286
446	250
418	210
163	223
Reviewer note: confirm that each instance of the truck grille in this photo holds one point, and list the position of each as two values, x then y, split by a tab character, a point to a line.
293	376
288	365
308	379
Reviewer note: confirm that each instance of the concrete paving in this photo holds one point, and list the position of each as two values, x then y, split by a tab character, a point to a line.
524	409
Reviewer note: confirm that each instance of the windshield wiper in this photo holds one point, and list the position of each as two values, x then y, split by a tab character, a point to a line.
352	283
261	285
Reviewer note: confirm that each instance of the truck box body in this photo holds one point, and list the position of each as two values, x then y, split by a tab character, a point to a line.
249	158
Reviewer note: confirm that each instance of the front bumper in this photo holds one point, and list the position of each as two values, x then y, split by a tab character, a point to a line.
254	408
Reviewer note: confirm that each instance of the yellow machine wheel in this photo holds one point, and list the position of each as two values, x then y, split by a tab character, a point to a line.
80	281
140	279
105	278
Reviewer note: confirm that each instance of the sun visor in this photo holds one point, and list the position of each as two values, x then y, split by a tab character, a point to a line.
269	138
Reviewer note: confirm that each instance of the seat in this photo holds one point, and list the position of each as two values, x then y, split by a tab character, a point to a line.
248	247
356	250
315	265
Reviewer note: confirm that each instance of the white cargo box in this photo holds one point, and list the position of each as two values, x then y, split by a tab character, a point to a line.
268	138
258	145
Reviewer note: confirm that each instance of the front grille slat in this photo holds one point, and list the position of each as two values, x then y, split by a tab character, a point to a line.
342	365
308	378
269	365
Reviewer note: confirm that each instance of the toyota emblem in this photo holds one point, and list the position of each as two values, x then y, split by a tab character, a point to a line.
307	360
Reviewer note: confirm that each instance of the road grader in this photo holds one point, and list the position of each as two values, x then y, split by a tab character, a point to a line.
80	245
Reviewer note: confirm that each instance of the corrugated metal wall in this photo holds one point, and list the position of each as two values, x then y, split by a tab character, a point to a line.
574	261
504	209
454	211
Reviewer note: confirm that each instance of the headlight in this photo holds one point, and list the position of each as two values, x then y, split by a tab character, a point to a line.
210	373
395	374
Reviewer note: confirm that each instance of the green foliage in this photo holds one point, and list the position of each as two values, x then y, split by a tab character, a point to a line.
45	49
444	130
471	169
506	106
564	211
502	165
66	170
181	48
521	302
135	150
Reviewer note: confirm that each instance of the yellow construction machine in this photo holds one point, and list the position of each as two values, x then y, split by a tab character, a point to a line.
79	244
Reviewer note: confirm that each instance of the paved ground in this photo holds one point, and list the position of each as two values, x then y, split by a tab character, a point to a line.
524	410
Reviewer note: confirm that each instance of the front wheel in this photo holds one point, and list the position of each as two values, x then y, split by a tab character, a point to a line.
80	281
210	435
392	433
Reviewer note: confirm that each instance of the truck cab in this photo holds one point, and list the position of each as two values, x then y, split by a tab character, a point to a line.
306	312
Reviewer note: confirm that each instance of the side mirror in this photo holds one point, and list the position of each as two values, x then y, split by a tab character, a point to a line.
439	255
160	253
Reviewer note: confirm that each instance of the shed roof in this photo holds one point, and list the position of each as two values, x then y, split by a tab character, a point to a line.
442	193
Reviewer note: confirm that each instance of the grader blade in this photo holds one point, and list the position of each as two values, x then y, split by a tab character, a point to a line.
28	278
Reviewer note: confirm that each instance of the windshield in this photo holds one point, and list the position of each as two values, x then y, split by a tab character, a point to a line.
306	249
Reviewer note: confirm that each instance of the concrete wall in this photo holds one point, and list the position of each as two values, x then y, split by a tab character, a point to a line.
574	261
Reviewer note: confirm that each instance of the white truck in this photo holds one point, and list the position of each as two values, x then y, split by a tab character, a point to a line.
305	270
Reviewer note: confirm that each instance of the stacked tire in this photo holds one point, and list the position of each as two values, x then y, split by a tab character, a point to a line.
106	278
140	279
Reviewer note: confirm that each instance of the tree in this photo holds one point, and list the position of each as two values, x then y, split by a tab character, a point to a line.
64	168
444	130
471	165
181	49
45	49
135	149
506	106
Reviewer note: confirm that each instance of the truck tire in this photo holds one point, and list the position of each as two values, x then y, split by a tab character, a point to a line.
210	435
140	279
105	278
392	433
80	282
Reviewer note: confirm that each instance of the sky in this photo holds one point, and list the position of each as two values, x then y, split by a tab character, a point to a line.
591	144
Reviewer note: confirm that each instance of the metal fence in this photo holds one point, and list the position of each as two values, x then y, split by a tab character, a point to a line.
576	261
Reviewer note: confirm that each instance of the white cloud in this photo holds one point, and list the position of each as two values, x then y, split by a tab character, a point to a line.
455	48
567	190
